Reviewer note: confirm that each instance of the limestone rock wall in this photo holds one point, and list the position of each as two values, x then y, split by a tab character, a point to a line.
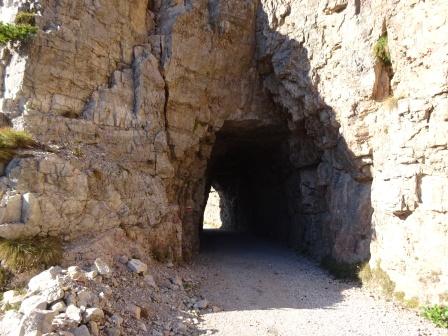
126	98
400	144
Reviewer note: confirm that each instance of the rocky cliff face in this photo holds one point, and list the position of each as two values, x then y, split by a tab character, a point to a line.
140	104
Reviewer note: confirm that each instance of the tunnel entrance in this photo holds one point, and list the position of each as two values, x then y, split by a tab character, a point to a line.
248	169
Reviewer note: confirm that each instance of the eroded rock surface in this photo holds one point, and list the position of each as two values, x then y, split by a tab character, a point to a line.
128	97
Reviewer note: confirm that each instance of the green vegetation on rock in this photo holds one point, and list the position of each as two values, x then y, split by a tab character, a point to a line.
15	32
30	253
437	314
381	50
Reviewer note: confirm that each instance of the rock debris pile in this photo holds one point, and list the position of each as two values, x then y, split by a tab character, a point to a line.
104	300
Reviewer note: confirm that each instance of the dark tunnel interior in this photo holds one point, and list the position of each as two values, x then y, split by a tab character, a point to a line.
248	169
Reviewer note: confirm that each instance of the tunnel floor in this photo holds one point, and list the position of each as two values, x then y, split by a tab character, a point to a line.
264	288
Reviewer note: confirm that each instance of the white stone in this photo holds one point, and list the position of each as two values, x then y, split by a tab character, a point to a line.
33	302
103	268
45	279
73	313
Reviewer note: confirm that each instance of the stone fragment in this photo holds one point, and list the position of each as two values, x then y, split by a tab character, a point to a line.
76	273
137	266
117	320
58	307
73	313
94	314
123	259
149	280
86	298
111	331
103	268
201	304
177	280
92	275
63	322
82	330
94	328
134	310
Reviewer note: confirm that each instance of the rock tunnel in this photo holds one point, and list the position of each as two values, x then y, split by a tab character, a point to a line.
273	183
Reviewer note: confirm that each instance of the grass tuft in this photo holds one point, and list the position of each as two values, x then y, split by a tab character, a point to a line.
381	50
11	140
12	32
437	314
27	254
25	18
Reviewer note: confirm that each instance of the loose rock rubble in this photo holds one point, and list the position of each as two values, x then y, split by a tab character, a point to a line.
104	300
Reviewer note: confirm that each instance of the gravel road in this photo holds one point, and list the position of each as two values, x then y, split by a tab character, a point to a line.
266	289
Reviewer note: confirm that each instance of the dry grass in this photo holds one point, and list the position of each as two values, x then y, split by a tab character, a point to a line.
26	254
25	18
11	140
4	277
390	103
378	277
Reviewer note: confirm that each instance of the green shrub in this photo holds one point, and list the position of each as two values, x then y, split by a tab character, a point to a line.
437	314
381	50
30	253
10	140
25	18
12	32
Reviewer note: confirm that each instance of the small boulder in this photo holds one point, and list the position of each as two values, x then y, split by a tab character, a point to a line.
37	322
31	303
137	266
45	279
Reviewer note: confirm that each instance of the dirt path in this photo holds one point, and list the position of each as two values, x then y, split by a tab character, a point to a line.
265	289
